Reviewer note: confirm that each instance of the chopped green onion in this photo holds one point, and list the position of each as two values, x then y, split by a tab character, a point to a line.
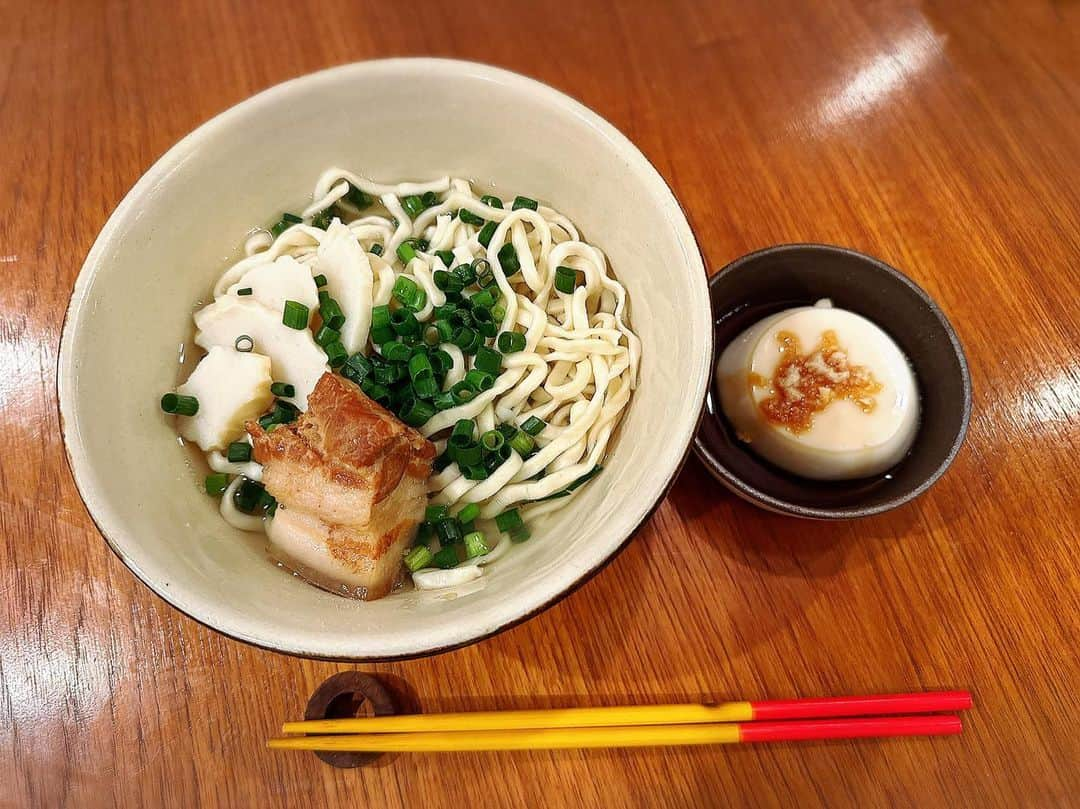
409	293
522	443
485	277
322	219
441	362
380	316
468	454
492	202
524	202
566	280
325	335
406	252
475	545
463	337
477	472
388	373
419	366
520	534
488	360
444	401
479	380
446	257
510	342
462	392
291	218
445	330
396	352
404	322
485	323
447	282
295	315
430	199
330	311
498	312
426	388
358	197
248	496
509	521
356	368
596	470
462	434
418	558
482	300
449	531
486	232
430	335
413	205
335	353
376	249
508	430
446	558
461	317
469	218
244	291
533	425
287	221
284	412
416	412
491	441
468	514
320	280
508	258
377	392
179	405
436	513
238	452
217	483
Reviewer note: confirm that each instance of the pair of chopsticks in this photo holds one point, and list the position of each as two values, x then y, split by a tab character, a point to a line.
877	716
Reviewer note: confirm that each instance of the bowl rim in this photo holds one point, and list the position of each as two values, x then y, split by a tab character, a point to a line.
80	465
752	494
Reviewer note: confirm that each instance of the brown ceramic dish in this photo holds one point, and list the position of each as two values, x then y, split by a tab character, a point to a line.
776	278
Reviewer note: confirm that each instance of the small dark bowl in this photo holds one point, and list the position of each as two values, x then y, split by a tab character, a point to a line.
777	278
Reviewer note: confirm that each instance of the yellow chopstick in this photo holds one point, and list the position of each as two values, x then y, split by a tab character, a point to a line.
639	736
520	720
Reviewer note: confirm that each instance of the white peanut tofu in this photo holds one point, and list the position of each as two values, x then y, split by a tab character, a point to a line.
232	387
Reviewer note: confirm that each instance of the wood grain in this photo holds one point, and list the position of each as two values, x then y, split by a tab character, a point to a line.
941	136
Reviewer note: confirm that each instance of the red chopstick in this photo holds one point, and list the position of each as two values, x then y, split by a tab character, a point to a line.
872	705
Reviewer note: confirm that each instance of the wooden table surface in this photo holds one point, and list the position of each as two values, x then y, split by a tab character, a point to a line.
943	137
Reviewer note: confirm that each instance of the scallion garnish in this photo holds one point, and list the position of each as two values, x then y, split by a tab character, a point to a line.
415	412
469	218
336	354
477	472
320	280
179	405
216	483
406	252
462	392
510	342
492	441
295	315
475	545
396	352
326	335
524	202
248	496
492	202
376	392
409	293
508	258
376	249
413	205
404	322
509	521
244	344
596	470
486	232
245	291
566	279
533	426
488	360
446	558
449	531
446	257
330	310
358	198
238	452
482	300
418	558
479	380
356	368
522	443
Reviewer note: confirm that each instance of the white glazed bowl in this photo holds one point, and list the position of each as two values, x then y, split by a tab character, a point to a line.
165	244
